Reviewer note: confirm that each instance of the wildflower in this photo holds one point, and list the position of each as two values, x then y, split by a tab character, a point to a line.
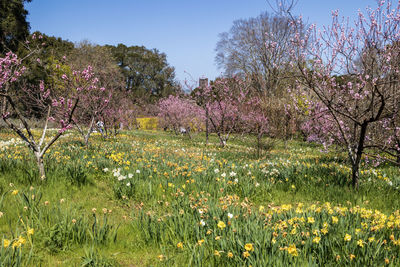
73	221
249	247
347	237
230	215
360	243
20	241
310	220
104	210
352	256
62	201
221	225
30	231
179	245
46	203
6	243
232	174
337	257
105	170
230	254
200	242
261	208
371	239
246	254
292	250
217	238
209	232
94	210
202	223
14	192
161	257
335	219
316	239
386	260
293	187
216	253
223	175
128	184
138	171
1	214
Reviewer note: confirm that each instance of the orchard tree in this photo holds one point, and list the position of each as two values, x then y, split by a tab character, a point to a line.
119	113
58	108
254	120
49	53
223	99
351	78
95	99
177	112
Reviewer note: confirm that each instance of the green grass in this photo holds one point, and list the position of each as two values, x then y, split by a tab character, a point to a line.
167	185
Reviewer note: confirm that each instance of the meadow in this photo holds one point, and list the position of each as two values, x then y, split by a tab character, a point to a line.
151	198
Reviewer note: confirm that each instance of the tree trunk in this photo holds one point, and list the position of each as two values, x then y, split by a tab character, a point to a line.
39	160
355	163
89	132
222	140
355	175
86	139
207	127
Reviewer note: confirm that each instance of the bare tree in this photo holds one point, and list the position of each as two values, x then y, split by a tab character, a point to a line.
258	48
282	7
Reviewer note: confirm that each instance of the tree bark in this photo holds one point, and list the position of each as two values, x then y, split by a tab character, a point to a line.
355	162
207	127
39	161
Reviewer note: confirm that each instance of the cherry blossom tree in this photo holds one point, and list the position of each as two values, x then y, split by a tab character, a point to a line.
58	107
178	112
94	100
254	120
350	79
120	112
223	99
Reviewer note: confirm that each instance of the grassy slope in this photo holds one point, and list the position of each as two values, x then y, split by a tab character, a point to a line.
310	183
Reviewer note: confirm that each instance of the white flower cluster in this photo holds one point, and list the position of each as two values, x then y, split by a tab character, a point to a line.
117	173
273	173
12	142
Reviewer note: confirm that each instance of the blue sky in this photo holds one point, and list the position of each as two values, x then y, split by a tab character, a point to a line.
186	30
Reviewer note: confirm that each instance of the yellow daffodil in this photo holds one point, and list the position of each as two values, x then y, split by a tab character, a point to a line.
221	225
249	247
